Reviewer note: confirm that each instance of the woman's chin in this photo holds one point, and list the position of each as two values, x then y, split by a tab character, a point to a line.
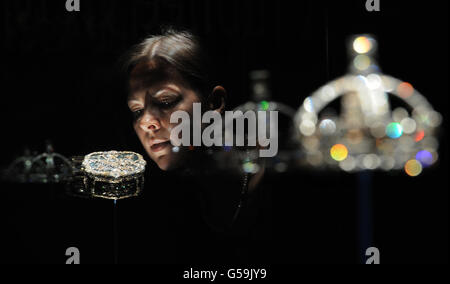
166	163
163	163
169	161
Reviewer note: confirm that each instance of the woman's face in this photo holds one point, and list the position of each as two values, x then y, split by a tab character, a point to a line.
154	96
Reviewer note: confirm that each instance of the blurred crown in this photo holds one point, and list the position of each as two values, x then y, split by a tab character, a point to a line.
47	167
365	131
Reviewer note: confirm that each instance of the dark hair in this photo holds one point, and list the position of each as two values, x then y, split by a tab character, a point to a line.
178	50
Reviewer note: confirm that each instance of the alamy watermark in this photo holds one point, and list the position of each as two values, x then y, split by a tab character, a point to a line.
373	5
74	255
258	123
373	254
73	5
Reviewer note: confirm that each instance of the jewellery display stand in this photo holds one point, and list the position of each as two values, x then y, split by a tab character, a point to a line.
367	135
109	175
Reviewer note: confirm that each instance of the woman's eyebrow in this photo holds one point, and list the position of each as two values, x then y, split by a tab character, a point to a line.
170	88
152	92
165	90
132	102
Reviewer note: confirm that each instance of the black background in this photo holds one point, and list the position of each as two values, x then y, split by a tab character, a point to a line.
60	81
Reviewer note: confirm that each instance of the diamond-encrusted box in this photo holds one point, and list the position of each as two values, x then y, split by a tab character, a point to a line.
114	174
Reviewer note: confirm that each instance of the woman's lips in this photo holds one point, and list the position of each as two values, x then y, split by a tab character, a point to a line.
159	146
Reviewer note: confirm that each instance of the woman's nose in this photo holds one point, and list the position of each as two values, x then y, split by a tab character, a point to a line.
149	122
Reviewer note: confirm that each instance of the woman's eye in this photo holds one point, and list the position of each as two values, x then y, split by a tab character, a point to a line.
167	103
136	113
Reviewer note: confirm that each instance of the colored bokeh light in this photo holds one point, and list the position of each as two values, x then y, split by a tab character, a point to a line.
405	90
419	136
362	45
264	105
425	158
394	130
250	167
413	168
339	152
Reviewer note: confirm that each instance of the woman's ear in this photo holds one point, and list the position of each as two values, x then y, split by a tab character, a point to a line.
217	99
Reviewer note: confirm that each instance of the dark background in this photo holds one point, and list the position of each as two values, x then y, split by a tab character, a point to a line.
60	81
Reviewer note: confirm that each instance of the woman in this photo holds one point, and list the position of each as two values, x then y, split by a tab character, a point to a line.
168	73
